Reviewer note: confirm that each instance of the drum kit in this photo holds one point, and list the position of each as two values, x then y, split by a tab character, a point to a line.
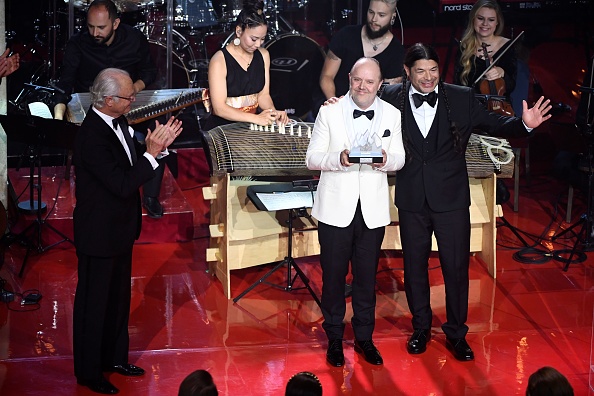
199	29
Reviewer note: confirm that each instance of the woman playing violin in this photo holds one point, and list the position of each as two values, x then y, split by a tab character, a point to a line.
485	25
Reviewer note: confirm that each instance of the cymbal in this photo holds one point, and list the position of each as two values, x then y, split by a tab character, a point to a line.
131	5
84	4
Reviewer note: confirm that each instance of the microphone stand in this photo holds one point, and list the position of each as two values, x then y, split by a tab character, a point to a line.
585	235
35	132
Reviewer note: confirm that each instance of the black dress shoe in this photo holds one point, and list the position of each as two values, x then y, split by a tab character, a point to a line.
417	343
335	355
99	386
460	349
369	352
153	207
129	370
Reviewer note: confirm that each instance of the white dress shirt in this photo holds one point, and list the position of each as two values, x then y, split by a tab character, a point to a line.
425	114
118	131
361	124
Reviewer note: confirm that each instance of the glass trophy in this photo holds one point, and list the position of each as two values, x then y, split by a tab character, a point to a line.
367	149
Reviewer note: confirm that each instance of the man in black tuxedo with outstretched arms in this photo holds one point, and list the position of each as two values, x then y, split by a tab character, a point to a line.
432	191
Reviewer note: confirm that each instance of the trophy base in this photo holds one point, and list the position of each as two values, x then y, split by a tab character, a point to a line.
365	157
365	160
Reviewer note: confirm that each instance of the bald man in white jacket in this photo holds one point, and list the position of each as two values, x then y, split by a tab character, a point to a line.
352	204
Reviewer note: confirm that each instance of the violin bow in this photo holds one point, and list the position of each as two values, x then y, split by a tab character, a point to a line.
493	62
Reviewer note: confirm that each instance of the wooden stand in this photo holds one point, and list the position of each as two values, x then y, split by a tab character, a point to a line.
243	237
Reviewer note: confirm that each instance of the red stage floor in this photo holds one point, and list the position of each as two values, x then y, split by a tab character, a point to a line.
529	317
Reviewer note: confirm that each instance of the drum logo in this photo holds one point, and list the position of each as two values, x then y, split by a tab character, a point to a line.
284	62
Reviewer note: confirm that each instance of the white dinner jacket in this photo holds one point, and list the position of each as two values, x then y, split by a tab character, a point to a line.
341	187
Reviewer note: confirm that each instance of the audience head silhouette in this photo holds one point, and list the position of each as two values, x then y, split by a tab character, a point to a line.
547	381
304	384
198	383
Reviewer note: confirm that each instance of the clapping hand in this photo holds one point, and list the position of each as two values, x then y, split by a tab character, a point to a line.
174	127
8	64
162	136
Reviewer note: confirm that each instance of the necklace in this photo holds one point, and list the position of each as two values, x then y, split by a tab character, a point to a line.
376	46
249	62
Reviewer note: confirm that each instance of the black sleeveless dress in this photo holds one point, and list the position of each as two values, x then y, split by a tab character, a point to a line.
243	86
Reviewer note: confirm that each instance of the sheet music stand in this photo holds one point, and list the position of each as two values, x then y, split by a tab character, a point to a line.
296	208
37	132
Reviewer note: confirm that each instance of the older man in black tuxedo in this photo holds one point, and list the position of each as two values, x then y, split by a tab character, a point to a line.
110	168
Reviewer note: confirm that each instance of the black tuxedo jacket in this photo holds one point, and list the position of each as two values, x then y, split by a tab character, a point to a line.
107	216
442	178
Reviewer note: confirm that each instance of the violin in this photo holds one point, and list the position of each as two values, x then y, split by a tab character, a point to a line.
495	88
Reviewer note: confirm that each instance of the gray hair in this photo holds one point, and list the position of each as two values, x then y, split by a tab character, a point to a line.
107	83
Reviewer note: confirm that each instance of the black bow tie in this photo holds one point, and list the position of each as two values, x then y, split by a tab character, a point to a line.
430	98
121	120
359	113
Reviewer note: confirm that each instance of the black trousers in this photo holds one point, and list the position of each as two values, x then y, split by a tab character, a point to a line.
361	246
100	314
452	232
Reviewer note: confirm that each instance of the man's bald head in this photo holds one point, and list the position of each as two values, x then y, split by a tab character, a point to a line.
365	80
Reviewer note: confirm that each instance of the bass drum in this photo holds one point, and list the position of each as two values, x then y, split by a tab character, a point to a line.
295	65
183	74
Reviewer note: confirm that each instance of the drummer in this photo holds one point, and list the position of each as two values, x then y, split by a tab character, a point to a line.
108	43
239	75
374	39
105	43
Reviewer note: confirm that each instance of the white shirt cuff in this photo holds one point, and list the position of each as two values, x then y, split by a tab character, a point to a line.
152	160
528	129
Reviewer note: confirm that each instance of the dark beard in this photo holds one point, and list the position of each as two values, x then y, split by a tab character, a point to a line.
106	39
373	35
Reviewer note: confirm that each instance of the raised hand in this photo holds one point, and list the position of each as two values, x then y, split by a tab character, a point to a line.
536	115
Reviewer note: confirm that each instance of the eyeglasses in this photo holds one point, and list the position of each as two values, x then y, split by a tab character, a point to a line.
131	98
